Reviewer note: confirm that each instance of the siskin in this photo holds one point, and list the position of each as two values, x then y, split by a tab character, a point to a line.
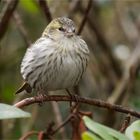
57	60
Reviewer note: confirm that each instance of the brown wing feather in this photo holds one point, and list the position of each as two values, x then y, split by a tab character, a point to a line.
25	87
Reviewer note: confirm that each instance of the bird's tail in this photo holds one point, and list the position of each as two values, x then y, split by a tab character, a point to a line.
25	87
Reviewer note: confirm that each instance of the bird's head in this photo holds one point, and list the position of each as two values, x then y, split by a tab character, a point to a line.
60	28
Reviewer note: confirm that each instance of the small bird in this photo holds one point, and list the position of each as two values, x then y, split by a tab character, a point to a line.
57	60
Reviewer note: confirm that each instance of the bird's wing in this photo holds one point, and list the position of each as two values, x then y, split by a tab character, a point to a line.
25	87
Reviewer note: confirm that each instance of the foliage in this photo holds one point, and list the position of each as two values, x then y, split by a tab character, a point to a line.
133	131
101	132
10	112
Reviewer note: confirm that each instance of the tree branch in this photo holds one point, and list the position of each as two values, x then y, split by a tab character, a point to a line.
44	6
21	28
6	14
73	6
62	125
125	123
58	118
130	72
29	134
85	17
94	102
105	46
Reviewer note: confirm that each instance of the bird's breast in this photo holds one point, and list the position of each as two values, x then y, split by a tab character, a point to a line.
64	70
54	65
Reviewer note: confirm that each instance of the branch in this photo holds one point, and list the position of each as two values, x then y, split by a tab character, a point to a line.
129	75
62	125
105	46
20	26
6	14
44	6
125	123
58	118
95	102
128	28
29	134
132	65
73	6
85	17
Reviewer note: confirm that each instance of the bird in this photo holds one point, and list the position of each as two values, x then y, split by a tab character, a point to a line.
56	61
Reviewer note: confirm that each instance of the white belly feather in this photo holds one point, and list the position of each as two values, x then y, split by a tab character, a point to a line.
50	66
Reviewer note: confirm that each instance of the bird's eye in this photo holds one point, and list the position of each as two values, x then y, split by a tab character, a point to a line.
61	29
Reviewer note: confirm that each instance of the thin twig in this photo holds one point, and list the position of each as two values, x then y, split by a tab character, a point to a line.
94	102
74	5
6	14
75	122
58	117
49	132
85	17
125	123
123	20
129	75
44	6
64	123
105	46
132	65
21	28
27	135
1	130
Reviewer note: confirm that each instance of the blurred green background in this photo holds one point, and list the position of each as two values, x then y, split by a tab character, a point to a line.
113	26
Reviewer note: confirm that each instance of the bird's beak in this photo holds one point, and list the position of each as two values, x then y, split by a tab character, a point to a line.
69	33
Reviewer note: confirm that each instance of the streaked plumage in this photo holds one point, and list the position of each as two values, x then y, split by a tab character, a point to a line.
57	60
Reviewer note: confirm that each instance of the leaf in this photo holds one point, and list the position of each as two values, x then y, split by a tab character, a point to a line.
9	112
89	136
103	131
136	135
133	131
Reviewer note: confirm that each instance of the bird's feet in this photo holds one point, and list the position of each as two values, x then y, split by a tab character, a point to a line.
73	97
41	95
